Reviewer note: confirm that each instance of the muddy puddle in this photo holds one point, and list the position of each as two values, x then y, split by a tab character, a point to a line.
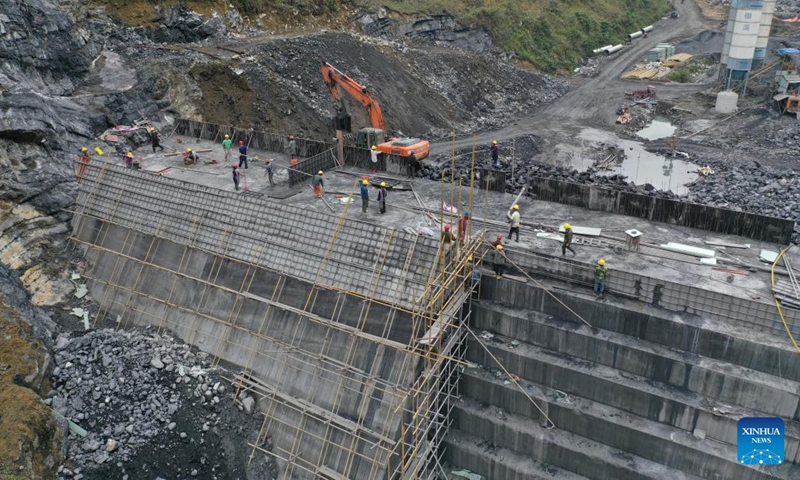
659	128
641	166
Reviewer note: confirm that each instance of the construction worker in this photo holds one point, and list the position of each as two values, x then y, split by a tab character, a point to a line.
291	147
476	273
382	198
463	226
83	162
600	275
189	157
495	154
364	196
416	164
236	176
226	146
373	154
155	139
497	241
567	240
270	171
129	159
447	235
514	220
242	154
499	260
317	183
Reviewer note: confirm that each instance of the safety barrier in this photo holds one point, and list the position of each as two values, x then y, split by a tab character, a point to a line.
362	158
703	217
272	142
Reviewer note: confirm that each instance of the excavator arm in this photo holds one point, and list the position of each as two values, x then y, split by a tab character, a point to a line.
338	81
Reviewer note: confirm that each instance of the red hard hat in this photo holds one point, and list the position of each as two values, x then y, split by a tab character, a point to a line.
241	142
447	228
499	237
236	166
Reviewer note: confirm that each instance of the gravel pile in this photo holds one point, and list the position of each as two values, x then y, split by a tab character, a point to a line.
749	187
135	391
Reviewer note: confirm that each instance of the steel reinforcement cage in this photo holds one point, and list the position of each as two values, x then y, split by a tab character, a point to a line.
170	254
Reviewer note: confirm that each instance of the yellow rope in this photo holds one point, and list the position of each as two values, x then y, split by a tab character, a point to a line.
778	304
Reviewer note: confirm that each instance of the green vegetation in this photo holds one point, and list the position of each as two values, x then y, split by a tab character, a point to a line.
681	75
548	34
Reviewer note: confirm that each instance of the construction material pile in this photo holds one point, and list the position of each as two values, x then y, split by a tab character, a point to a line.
141	402
749	187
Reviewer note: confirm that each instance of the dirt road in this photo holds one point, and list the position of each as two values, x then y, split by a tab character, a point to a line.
593	101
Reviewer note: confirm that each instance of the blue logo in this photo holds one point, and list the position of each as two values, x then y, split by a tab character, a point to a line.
760	441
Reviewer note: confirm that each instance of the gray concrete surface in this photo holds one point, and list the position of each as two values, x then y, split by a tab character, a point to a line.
656	388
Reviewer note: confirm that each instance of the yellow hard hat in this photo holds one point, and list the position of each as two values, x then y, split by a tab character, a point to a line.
567	226
374	147
601	262
365	182
188	149
152	129
129	154
84	149
469	258
383	184
515	207
227	136
494	142
499	248
319	173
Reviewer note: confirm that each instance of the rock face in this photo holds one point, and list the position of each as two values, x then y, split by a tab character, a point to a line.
40	50
431	29
179	24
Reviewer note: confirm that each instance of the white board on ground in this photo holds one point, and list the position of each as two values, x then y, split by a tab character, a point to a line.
768	256
688	250
585	231
550	236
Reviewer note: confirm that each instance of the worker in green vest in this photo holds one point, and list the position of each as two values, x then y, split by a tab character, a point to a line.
600	276
226	145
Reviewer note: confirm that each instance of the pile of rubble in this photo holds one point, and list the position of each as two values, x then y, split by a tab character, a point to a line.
749	187
140	402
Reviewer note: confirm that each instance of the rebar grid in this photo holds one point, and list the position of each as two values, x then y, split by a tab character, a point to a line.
403	389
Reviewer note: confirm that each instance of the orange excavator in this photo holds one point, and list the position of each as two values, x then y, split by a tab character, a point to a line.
376	135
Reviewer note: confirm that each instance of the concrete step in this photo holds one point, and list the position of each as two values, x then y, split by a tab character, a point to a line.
610	426
709	377
631	393
556	447
494	463
684	332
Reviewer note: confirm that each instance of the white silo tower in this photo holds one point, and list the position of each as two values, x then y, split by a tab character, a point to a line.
741	36
763	33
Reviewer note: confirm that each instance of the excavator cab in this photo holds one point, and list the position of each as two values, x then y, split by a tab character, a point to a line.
367	137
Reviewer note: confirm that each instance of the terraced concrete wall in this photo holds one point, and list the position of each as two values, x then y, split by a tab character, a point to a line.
757	315
321	320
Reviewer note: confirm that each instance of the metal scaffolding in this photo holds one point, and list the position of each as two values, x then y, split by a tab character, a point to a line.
351	343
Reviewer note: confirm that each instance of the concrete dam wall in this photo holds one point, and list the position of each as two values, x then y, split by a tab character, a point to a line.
322	315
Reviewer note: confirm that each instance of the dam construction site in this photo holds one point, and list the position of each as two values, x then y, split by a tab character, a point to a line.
364	240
